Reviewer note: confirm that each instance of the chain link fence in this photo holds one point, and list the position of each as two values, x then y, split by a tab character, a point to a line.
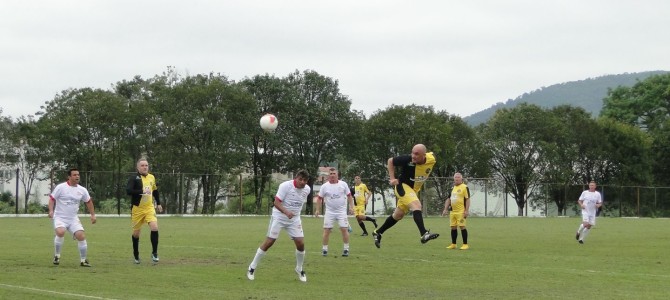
183	193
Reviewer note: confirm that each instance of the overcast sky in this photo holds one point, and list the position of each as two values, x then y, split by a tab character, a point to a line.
458	56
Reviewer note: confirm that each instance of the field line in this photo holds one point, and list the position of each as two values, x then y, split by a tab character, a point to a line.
49	291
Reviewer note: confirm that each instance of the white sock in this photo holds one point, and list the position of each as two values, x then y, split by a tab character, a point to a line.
581	227
585	232
58	244
324	247
83	248
346	246
257	258
299	259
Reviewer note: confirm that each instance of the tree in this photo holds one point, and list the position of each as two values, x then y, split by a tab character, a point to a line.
647	106
204	118
271	96
32	163
315	123
518	141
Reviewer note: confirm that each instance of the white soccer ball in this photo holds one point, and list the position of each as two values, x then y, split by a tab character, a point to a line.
269	122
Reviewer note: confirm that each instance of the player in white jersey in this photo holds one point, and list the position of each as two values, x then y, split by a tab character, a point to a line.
291	196
336	194
590	201
66	198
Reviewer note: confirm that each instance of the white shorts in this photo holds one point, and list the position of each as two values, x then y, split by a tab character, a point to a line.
70	224
588	218
292	226
330	219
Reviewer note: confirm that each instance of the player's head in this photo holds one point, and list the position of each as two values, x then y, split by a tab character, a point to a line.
73	176
143	166
458	178
333	177
419	154
301	178
592	186
357	180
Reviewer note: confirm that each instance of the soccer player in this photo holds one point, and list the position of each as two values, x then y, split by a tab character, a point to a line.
335	193
290	197
66	198
459	201
590	201
143	193
415	169
361	198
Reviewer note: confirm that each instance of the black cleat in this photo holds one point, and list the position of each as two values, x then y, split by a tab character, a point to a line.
581	242
84	263
378	238
428	236
56	260
577	236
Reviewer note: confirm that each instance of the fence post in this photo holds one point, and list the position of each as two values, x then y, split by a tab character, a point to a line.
16	202
241	193
486	199
638	201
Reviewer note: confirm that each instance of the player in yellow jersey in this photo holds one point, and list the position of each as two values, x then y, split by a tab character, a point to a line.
361	197
415	169
459	201
143	193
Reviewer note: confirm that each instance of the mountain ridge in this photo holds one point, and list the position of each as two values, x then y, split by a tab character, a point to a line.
587	93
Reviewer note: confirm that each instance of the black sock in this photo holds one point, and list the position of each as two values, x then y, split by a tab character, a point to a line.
363	227
454	235
136	246
418	219
154	242
390	221
464	232
370	219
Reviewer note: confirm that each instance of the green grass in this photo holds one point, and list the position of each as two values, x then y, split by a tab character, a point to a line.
206	258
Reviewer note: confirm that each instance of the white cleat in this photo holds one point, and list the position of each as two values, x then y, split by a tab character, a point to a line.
301	275
250	274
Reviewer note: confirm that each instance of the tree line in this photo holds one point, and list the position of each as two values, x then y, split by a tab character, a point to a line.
205	127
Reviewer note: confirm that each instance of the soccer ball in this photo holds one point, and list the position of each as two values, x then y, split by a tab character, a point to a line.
269	122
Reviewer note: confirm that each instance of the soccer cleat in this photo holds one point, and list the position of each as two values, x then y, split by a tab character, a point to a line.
378	238
364	234
324	252
428	236
581	241
345	253
84	263
154	257
465	247
452	246
136	260
577	236
56	260
301	275
250	274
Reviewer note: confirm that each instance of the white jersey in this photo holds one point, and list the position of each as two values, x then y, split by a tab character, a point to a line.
67	199
334	195
590	199
292	198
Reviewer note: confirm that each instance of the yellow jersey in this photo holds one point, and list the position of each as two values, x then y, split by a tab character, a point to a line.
459	194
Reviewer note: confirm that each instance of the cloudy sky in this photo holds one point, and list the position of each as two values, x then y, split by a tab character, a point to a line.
458	56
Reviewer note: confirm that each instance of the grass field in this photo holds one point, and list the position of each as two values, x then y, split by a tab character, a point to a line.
206	258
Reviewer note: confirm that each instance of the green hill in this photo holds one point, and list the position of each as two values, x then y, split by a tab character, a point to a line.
587	93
